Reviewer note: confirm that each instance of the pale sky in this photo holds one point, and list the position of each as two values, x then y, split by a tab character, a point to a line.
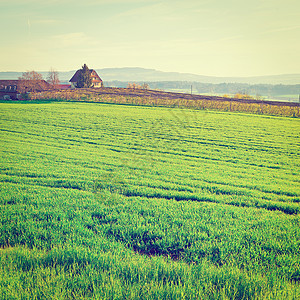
205	37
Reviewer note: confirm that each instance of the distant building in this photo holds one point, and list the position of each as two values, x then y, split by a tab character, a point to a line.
96	80
11	89
63	86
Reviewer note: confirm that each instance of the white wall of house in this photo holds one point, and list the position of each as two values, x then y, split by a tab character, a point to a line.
97	84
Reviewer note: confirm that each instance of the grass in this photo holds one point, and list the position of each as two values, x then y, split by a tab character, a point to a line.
122	202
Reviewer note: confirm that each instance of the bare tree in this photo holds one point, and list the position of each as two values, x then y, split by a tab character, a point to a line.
53	78
31	81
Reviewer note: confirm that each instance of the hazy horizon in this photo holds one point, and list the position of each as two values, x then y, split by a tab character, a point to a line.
137	67
211	38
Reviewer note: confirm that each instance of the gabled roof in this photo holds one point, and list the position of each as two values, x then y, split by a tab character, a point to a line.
8	82
64	86
76	75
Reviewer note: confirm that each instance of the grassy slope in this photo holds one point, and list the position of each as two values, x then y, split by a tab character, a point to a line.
122	202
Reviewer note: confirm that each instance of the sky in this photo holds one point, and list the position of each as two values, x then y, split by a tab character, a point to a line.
205	37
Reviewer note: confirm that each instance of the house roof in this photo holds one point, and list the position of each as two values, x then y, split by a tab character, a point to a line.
95	76
41	85
8	82
75	76
8	86
64	86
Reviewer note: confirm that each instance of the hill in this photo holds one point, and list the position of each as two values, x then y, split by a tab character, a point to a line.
142	74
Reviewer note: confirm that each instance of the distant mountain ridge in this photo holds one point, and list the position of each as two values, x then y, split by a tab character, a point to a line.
140	74
131	74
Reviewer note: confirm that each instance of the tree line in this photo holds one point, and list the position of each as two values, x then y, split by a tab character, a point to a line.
222	88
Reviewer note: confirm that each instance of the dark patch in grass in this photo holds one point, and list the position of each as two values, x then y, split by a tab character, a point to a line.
287	210
152	252
295	277
103	219
66	184
10	202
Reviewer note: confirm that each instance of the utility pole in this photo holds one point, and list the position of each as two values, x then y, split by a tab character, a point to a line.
192	90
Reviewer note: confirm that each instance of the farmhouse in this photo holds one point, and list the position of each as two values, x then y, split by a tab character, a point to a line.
96	80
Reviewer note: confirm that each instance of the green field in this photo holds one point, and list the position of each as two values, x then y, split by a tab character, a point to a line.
104	201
